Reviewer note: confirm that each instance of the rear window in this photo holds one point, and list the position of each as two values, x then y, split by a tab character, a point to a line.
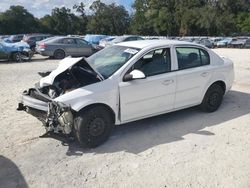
189	57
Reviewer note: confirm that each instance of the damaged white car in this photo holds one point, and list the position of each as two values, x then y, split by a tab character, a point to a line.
127	82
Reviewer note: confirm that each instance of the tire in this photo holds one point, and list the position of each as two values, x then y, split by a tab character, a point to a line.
93	126
16	57
212	99
59	54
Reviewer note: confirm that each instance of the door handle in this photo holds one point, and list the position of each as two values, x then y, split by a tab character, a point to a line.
167	82
204	74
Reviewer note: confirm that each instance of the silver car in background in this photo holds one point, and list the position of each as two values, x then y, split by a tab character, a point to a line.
124	38
61	47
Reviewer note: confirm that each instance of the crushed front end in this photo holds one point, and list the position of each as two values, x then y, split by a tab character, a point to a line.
56	117
41	101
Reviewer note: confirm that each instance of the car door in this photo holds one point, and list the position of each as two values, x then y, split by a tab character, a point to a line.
70	46
3	53
84	48
152	95
193	75
247	43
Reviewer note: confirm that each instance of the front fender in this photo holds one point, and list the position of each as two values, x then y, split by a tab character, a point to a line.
82	97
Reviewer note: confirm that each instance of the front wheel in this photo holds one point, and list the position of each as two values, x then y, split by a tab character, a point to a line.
212	99
17	57
93	126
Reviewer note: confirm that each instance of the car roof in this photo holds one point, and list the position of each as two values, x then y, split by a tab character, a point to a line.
153	43
70	37
35	35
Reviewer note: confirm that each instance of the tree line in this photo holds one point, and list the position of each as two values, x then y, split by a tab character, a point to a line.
149	17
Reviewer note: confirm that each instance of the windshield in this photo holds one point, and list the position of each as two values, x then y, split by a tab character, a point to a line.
109	60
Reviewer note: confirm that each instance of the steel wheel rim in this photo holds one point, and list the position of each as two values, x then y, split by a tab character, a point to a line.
96	127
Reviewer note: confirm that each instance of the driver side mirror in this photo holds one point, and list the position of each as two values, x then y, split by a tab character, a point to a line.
134	75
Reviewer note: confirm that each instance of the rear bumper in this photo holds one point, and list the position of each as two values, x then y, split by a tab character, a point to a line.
44	52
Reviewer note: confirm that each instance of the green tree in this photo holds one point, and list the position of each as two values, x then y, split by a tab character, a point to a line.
187	15
243	23
161	17
108	19
18	20
47	24
62	21
140	24
80	9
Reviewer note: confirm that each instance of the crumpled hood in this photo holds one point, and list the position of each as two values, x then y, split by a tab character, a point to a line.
18	46
64	64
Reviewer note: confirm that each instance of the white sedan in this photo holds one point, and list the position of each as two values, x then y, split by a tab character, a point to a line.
127	82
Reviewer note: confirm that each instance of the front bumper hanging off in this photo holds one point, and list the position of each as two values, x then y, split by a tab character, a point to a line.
55	116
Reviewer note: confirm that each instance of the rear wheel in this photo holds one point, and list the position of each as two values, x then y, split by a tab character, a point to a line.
93	126
212	99
59	54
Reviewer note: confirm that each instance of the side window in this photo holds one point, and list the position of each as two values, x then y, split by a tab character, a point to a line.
68	41
38	38
191	57
154	62
82	42
20	37
205	60
129	39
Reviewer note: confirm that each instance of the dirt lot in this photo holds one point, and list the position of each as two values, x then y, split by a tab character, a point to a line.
188	148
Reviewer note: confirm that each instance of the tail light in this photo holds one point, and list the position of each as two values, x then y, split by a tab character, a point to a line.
42	45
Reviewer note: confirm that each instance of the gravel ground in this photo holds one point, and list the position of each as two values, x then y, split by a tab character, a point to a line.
188	148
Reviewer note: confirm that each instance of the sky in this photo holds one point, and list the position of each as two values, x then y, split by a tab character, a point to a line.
39	8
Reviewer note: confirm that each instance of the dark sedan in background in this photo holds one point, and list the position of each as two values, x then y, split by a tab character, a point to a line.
247	43
14	38
31	39
124	38
60	47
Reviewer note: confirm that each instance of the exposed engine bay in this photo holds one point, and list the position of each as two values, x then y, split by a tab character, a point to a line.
55	116
75	77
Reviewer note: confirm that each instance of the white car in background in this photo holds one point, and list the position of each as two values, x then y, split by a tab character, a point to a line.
127	82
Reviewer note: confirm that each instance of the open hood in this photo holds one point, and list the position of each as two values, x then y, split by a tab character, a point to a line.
64	65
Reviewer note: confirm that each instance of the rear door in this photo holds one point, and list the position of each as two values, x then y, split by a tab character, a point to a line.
193	75
84	48
70	47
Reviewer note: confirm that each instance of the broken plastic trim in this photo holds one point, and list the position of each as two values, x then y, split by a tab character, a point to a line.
59	117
